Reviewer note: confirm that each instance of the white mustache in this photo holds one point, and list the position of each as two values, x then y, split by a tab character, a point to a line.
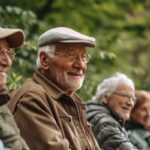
76	72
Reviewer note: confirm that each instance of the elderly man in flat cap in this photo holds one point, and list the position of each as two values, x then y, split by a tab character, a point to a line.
9	133
48	112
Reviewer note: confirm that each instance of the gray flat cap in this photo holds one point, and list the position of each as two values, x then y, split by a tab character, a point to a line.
65	35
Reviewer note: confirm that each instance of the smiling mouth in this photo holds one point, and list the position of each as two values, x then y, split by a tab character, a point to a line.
126	108
74	74
2	72
2	69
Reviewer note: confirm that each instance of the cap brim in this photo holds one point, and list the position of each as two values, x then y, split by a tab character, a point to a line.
87	43
15	37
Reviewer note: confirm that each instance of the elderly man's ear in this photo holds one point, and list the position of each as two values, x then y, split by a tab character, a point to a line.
44	60
105	100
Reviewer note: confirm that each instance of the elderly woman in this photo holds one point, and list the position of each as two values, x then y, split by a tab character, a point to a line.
108	111
138	127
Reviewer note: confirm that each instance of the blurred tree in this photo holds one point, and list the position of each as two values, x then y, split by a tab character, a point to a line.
122	30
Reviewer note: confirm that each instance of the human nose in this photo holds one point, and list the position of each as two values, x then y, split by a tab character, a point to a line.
79	62
130	102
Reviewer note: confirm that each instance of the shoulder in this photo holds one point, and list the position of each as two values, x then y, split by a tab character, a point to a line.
99	113
140	138
29	94
102	120
6	119
30	87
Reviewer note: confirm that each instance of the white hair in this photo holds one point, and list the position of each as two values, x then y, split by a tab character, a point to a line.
49	49
109	85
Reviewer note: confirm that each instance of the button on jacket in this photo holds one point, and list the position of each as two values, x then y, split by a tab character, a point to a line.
9	133
49	119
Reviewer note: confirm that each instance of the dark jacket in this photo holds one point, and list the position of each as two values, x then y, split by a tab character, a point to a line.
139	136
9	133
108	127
49	119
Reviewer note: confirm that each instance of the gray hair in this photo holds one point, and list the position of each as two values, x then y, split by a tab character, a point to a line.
49	49
109	85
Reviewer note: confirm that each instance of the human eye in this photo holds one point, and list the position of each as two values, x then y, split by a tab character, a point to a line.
134	99
10	53
1	51
84	56
70	56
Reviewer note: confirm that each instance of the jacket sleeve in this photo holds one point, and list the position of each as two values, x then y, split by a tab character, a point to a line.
109	135
33	115
9	132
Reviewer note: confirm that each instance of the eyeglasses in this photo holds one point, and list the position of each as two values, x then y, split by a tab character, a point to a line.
9	52
133	98
72	56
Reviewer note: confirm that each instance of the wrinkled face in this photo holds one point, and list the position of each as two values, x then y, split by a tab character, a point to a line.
122	100
68	66
5	62
142	114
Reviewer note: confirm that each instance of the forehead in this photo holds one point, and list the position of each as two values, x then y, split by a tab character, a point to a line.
4	43
142	97
71	47
123	86
146	103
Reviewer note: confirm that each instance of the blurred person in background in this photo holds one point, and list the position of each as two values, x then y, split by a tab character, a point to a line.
138	127
49	113
9	133
108	111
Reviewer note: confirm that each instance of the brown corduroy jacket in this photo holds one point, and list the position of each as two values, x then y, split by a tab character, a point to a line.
49	119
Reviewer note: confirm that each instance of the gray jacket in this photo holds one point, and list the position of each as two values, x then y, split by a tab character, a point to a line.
9	134
108	128
138	135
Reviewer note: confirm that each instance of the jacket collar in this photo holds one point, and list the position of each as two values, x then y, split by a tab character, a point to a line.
53	89
115	115
130	125
103	107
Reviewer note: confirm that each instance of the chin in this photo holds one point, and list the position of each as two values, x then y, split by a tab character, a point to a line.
75	86
126	118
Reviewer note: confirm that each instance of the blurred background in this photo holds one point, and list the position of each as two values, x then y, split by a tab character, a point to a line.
121	29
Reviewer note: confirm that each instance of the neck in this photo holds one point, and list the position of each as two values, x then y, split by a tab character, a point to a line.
69	92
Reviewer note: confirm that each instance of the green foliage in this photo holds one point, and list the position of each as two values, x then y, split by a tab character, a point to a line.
14	81
122	30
